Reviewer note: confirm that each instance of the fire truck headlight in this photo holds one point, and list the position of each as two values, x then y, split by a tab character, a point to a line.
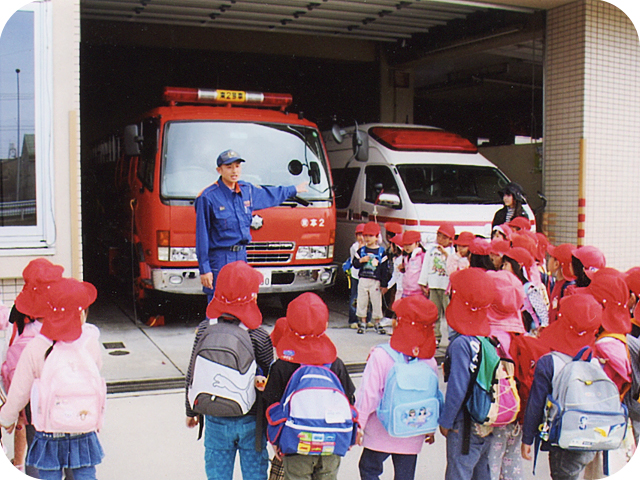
312	253
163	254
183	254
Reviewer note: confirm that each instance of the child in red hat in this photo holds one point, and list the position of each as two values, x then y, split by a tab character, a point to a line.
304	341
412	260
26	315
585	260
413	337
234	302
632	277
559	267
434	278
63	314
579	318
373	264
472	293
352	272
460	257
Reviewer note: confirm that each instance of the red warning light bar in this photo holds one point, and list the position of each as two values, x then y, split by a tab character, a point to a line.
422	139
200	95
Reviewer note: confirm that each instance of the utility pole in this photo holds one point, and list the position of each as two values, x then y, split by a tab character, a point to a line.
18	159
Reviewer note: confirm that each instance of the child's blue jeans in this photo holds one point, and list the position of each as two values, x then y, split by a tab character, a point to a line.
84	473
223	437
475	464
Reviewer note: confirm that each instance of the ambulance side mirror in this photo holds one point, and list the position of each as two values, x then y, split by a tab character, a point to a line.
360	145
132	140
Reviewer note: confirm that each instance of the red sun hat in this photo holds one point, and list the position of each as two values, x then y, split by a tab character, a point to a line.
371	228
360	228
632	277
397	239
472	292
610	290
521	256
480	246
562	253
505	311
393	227
278	329
465	239
526	240
579	318
592	259
236	294
67	299
38	275
504	229
304	340
499	247
447	229
414	335
543	243
520	222
410	237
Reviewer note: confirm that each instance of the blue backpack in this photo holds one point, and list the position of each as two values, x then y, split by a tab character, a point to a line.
314	416
411	402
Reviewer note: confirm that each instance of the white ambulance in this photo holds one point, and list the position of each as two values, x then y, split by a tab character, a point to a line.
417	176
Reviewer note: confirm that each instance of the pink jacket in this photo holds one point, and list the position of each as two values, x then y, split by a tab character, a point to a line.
412	269
30	367
368	398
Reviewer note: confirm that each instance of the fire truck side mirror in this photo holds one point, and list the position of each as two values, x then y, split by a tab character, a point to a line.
338	133
314	173
132	140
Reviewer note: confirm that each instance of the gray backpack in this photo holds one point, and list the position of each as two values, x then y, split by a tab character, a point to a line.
222	383
584	411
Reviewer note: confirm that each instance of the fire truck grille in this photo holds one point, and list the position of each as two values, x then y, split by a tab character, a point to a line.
270	246
268	257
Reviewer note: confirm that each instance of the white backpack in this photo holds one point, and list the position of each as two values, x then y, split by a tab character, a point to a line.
70	395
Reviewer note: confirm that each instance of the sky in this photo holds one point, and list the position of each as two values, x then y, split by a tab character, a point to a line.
16	52
16	55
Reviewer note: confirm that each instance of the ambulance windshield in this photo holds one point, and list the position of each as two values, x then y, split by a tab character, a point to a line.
427	183
190	150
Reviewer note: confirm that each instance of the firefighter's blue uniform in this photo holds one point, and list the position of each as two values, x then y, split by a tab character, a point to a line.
223	222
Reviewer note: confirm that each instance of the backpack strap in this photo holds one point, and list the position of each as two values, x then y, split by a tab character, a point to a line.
476	360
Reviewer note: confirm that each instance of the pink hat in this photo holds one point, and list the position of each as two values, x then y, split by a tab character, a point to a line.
472	292
520	255
371	228
67	299
414	334
464	239
393	227
632	277
610	290
499	247
480	246
305	340
579	318
410	237
360	228
505	311
591	258
38	275
562	253
520	223
447	229
236	294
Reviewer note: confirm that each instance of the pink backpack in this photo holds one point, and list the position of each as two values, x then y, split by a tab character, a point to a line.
70	395
15	350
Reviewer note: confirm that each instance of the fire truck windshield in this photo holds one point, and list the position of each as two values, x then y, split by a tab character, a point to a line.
190	149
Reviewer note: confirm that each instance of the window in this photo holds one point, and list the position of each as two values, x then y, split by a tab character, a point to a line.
26	218
345	182
148	152
379	179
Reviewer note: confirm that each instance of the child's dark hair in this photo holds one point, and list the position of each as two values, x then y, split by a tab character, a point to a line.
481	261
517	269
578	270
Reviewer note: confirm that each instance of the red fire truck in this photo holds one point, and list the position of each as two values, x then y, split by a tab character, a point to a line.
169	157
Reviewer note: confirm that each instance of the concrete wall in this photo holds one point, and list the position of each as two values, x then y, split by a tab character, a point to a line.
592	112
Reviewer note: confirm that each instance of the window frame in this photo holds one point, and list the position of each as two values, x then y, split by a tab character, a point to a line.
40	237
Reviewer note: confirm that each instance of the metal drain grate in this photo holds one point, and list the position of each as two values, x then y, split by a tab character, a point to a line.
113	345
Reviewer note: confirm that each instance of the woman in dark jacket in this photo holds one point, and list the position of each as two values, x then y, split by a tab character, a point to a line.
513	198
